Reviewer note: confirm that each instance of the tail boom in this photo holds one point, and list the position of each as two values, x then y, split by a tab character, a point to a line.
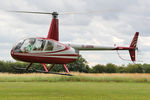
131	48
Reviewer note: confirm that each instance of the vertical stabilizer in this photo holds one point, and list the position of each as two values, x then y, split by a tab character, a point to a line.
133	45
135	39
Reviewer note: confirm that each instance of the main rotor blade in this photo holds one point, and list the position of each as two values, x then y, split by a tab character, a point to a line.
68	13
31	12
91	11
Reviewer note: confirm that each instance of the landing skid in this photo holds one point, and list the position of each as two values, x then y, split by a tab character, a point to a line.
39	71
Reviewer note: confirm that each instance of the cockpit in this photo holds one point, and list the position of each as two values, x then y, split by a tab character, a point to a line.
33	45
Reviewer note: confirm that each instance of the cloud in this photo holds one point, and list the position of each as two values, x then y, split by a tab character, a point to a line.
104	27
118	41
145	41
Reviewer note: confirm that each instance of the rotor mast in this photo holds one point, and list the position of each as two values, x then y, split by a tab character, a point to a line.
54	29
55	15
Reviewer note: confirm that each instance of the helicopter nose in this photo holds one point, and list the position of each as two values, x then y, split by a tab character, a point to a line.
12	53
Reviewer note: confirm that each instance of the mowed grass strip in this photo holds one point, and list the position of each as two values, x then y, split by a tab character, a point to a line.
78	77
74	91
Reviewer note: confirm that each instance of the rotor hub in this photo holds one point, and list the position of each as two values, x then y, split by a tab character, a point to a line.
55	14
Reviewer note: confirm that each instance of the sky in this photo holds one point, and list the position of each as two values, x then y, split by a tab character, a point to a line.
100	22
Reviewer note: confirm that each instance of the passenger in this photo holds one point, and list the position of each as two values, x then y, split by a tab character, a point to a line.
30	46
49	46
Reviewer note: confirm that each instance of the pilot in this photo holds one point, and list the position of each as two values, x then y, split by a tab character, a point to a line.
30	46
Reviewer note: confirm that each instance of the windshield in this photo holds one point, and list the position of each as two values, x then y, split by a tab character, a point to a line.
24	45
33	45
18	45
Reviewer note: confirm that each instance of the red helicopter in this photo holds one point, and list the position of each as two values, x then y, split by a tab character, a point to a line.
50	51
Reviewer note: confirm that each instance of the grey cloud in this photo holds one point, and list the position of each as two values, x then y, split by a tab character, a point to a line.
101	26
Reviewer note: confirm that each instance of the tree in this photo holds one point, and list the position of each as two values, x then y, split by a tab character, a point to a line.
80	65
99	69
134	68
111	68
146	68
121	70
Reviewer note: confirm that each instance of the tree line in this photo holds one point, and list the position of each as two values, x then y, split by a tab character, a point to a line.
80	65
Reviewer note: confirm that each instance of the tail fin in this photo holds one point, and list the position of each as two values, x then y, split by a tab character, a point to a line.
133	45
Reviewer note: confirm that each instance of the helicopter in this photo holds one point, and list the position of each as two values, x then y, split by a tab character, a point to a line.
49	50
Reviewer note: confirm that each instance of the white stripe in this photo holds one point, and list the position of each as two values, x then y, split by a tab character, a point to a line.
61	57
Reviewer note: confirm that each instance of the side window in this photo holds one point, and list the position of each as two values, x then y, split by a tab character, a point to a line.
28	45
49	46
39	45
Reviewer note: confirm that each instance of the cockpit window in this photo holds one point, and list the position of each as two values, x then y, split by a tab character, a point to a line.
49	46
39	45
33	45
28	45
24	45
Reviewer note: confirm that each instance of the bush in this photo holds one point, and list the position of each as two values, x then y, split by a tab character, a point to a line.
111	68
99	69
79	65
134	68
146	68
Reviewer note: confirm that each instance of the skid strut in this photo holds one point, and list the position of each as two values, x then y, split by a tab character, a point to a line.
46	70
51	67
44	65
28	66
66	69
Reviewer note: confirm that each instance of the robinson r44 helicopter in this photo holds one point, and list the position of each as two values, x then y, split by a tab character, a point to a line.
50	51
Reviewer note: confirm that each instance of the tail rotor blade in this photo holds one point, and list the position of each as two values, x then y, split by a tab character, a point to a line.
139	55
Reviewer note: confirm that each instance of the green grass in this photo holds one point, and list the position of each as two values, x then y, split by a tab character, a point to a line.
74	91
68	79
77	78
79	87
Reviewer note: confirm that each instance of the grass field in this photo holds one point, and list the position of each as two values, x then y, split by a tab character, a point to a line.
79	87
78	77
74	91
